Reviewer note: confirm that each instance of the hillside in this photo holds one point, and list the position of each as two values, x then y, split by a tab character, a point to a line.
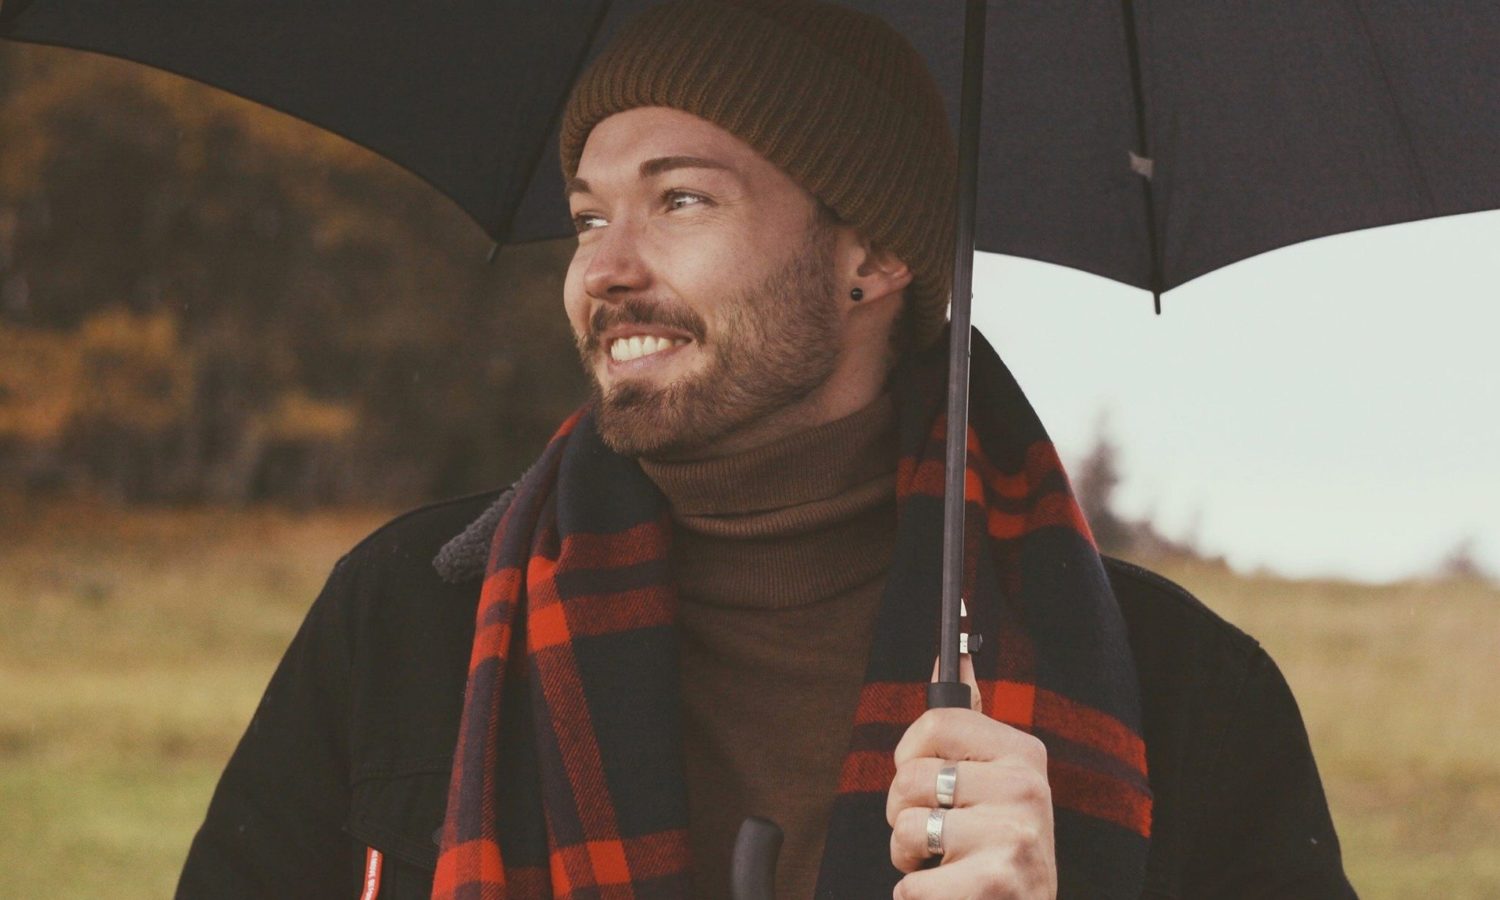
134	644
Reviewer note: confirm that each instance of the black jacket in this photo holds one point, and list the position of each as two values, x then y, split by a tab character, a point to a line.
351	745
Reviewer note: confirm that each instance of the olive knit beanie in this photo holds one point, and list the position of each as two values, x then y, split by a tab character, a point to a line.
835	98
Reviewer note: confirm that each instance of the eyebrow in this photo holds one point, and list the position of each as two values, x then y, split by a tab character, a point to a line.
651	168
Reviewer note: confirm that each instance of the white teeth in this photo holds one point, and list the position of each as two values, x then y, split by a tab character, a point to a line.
637	346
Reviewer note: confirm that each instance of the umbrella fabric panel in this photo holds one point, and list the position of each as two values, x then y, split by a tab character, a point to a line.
1275	122
1059	127
541	212
462	94
1441	59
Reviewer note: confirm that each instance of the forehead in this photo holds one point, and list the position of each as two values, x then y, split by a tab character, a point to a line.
619	143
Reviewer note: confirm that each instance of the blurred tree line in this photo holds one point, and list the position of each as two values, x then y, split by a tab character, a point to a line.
1096	477
204	300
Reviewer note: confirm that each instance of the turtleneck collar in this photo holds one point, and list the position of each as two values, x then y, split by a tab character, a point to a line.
803	519
803	481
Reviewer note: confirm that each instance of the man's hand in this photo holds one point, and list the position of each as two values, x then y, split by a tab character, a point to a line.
997	838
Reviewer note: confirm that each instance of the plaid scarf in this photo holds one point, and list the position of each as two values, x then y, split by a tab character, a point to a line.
567	778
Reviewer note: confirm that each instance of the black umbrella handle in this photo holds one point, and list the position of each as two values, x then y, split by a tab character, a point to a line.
752	871
949	695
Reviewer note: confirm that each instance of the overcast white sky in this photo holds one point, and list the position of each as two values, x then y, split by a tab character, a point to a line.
1328	408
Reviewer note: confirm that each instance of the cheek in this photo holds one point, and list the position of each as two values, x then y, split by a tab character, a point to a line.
700	271
575	299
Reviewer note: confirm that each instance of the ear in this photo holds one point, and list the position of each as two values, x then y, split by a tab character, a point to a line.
876	271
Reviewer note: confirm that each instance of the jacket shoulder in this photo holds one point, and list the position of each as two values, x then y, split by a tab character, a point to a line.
1143	592
1165	621
413	540
1191	663
409	633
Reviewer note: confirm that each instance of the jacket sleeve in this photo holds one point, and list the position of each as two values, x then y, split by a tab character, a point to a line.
1265	830
274	827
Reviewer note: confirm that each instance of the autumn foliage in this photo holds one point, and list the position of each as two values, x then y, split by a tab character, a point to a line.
201	299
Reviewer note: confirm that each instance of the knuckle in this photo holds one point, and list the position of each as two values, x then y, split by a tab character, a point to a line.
953	718
905	791
1026	836
1026	843
1037	750
901	855
1035	790
996	881
910	821
934	721
992	876
905	783
925	726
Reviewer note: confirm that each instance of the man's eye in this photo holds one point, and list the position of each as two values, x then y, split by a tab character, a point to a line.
674	199
586	222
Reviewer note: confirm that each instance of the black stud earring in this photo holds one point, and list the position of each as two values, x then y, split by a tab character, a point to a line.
856	295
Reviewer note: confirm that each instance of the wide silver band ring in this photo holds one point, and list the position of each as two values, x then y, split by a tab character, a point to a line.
947	785
935	832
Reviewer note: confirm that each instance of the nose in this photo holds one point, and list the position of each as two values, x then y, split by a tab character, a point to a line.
616	268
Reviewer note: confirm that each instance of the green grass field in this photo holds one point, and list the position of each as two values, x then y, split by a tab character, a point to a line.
133	646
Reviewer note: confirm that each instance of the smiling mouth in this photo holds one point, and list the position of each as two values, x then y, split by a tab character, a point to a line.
640	346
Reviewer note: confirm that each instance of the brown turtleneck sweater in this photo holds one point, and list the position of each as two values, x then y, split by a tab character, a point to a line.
780	555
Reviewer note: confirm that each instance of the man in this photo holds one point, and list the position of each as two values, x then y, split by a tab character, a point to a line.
714	595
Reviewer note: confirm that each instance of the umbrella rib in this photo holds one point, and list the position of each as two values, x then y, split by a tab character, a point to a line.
502	232
1393	109
1133	50
11	10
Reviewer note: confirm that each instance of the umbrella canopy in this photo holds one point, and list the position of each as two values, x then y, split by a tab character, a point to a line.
1147	142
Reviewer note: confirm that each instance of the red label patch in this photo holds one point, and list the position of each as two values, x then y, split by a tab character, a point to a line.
372	874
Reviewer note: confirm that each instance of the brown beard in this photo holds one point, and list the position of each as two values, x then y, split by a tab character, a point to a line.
778	342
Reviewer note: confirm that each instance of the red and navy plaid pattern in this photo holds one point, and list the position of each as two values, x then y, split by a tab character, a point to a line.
567	778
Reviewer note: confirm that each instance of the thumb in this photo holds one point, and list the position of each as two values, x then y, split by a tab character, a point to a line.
966	675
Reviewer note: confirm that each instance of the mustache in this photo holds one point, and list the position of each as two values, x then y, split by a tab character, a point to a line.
639	311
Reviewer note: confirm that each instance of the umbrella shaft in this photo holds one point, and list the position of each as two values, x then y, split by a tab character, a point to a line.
956	461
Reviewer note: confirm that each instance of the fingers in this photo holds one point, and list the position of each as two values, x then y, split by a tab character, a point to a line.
967	676
1010	795
964	734
915	785
990	874
909	836
953	880
1002	833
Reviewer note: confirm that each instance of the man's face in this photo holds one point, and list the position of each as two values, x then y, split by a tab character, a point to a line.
702	292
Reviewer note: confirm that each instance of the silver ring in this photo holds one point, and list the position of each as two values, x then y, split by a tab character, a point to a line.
947	785
935	832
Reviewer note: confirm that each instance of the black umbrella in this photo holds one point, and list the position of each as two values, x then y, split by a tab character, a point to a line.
1148	142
